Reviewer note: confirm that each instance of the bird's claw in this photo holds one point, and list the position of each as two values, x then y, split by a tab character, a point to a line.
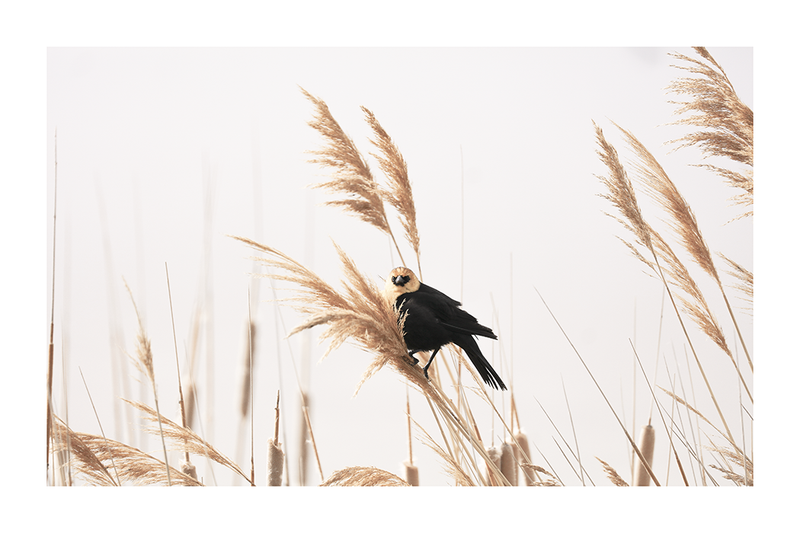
414	360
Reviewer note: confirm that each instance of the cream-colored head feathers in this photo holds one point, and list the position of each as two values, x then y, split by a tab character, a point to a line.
400	281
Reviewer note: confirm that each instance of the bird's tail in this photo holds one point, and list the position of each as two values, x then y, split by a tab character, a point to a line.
487	373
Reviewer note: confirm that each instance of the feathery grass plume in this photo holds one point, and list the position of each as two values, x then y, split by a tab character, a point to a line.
352	176
660	188
184	439
647	442
398	193
363	476
83	458
552	482
93	455
622	195
508	463
361	314
726	122
728	456
612	474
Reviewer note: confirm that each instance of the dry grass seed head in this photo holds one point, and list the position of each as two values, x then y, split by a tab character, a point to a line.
359	313
144	354
621	193
661	189
359	476
726	122
132	465
83	458
184	439
612	474
352	175
399	194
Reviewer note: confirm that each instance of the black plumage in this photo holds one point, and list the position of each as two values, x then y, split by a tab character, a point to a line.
433	319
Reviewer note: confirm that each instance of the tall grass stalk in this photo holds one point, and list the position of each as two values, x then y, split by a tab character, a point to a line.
50	349
144	363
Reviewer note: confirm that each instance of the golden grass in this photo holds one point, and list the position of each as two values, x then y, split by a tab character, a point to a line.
665	264
612	474
398	194
726	132
725	122
184	439
92	458
682	221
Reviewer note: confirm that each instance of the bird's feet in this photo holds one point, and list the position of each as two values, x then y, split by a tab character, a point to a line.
414	360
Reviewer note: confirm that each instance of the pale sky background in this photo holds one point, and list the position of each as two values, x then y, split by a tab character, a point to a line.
139	128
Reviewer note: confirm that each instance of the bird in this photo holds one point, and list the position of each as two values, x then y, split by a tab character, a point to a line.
433	320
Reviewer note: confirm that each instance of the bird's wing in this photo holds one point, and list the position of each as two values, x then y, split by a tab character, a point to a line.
449	314
427	289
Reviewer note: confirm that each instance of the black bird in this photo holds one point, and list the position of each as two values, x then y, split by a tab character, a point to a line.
434	319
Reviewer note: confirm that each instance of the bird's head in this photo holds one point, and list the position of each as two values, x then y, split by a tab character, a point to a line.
401	280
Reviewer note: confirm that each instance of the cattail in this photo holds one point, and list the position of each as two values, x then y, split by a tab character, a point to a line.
275	454
647	442
495	455
508	463
189	403
247	367
189	469
523	457
412	473
275	457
